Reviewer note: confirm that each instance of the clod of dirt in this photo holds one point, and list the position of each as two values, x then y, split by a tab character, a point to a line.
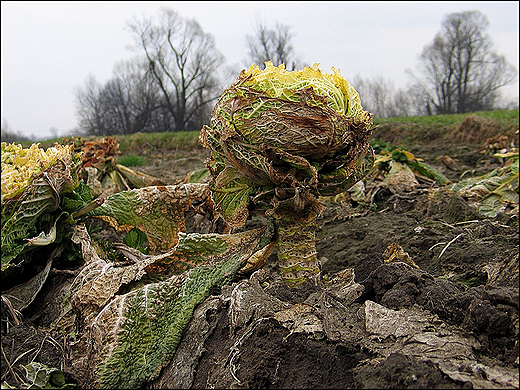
399	371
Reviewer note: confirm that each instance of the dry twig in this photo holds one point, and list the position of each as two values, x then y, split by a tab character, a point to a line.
448	244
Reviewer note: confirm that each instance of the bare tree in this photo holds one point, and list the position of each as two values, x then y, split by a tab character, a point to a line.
272	45
133	97
129	102
100	107
184	63
9	135
420	102
380	97
89	109
461	73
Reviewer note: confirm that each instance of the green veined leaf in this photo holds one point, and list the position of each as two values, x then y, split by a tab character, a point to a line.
135	238
231	195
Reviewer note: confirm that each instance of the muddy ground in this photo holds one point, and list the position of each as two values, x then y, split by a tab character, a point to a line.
451	321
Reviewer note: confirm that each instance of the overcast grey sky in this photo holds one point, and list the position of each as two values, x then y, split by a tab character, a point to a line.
49	48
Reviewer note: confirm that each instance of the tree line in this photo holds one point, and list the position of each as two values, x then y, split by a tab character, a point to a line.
178	73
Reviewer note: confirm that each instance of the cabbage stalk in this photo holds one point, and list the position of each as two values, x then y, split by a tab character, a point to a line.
279	140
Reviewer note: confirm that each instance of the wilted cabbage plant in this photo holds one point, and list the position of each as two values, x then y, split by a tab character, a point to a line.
279	140
37	201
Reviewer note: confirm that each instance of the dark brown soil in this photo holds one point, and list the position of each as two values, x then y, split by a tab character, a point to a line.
466	285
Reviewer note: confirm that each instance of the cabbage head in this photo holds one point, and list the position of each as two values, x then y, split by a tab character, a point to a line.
280	139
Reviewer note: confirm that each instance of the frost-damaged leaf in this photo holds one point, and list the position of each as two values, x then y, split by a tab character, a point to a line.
134	336
99	280
40	376
231	194
104	176
158	211
138	179
400	177
494	191
100	153
343	178
417	165
22	295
